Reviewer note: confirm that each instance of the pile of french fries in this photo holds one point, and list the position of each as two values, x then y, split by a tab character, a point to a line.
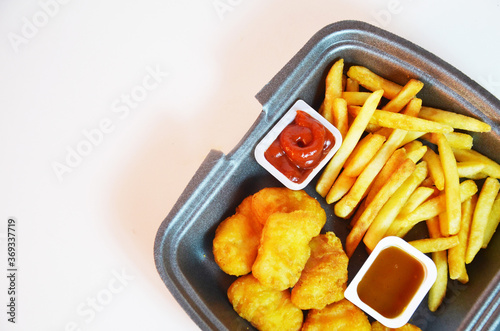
402	163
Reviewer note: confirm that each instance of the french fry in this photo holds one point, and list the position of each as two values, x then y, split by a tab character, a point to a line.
339	115
456	255
471	169
357	214
393	206
487	196
438	289
412	146
355	98
430	245
362	154
391	165
429	209
413	107
434	228
391	120
416	198
360	187
457	121
408	92
372	208
435	168
352	86
348	203
352	137
321	110
333	88
373	82
402	225
411	136
428	182
341	186
386	132
491	168
451	224
372	128
456	140
417	154
493	220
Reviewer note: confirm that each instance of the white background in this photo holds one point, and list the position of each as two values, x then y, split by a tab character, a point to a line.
86	224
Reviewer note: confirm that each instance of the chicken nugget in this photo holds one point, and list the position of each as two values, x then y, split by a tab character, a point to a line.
284	247
377	326
339	316
324	278
263	307
280	199
245	208
237	241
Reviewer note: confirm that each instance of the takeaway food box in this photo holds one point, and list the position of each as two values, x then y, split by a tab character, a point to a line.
183	244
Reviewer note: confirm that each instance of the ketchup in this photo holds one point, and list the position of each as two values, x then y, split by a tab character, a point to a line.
300	147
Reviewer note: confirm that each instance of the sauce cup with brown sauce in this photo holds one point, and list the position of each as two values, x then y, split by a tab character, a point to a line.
392	282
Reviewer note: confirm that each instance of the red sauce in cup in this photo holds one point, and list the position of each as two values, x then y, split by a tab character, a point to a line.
300	147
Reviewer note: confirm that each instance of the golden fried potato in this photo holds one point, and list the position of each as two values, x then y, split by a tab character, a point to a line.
324	278
377	326
333	88
350	141
485	201
279	199
338	316
265	308
284	247
237	240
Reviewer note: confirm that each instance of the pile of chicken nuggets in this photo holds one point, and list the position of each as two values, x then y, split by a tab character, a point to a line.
285	265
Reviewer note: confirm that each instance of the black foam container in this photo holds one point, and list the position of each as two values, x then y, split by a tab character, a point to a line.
183	244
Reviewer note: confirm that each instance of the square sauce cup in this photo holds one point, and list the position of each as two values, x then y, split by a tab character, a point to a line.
274	134
392	282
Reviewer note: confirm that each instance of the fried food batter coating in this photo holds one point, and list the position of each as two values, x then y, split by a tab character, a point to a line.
324	278
279	199
237	240
284	247
265	308
377	326
339	316
245	208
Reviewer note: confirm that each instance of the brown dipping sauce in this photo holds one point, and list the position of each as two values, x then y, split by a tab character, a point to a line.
300	147
391	282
